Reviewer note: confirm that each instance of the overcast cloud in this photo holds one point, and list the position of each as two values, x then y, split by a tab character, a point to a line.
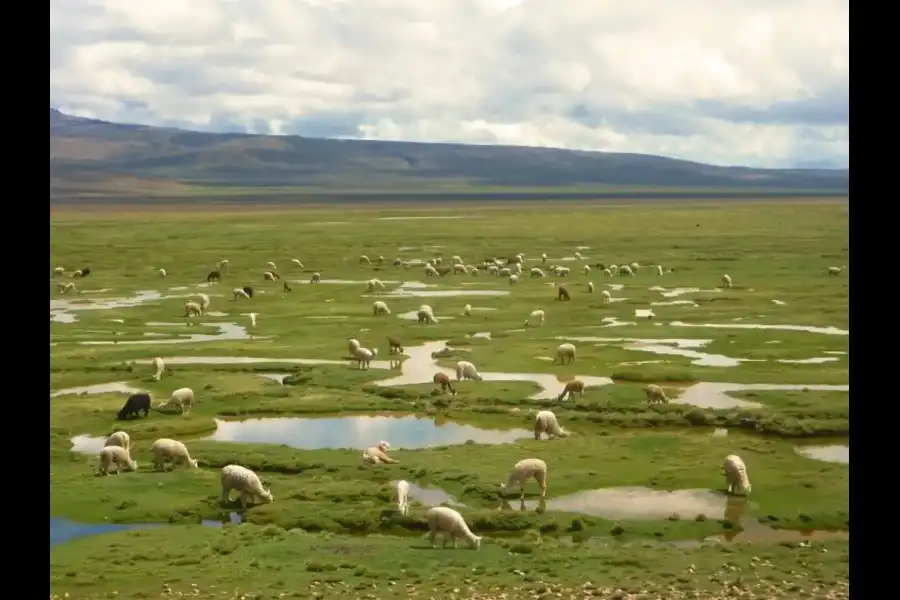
753	82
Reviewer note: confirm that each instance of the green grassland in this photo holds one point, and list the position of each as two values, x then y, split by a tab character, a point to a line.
355	543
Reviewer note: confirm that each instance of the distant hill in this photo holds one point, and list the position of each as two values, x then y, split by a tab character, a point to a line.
97	158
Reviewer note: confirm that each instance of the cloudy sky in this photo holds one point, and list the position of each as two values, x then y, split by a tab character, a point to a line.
753	82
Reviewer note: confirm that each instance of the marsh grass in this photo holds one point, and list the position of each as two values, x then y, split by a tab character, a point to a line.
772	251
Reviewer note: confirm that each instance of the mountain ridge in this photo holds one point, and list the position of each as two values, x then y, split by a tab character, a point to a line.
94	157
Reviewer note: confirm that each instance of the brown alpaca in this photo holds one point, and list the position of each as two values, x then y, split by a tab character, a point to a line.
443	380
576	386
563	293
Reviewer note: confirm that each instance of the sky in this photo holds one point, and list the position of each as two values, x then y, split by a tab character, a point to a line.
761	83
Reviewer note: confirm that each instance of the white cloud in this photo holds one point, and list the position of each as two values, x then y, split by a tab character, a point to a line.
762	83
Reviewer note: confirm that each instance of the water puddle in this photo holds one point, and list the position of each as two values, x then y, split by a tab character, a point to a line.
421	218
227	331
680	291
615	287
719	432
838	352
635	363
87	444
115	387
253	360
615	322
675	303
417	292
60	310
807	328
715	394
62	317
670	347
279	377
779	302
754	532
359	432
835	453
420	367
638	503
342	281
485	335
431	496
327	317
413	315
809	361
66	530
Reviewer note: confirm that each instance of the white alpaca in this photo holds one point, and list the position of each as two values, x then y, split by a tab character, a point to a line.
450	524
735	472
659	270
403	497
120	439
352	346
240	293
65	288
182	397
565	353
245	481
253	316
525	470
466	370
204	301
535	316
545	422
171	451
467	310
316	277
726	280
377	454
536	272
380	308
118	457
607	273
586	269
590	287
607	298
192	309
162	272
297	262
364	356
160	367
425	315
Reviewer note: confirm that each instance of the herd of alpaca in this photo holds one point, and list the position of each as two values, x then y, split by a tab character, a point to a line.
116	453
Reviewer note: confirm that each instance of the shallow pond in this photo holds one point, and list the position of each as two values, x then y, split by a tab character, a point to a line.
431	496
417	292
667	347
115	387
639	503
227	331
66	530
715	394
420	368
359	432
836	453
807	328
